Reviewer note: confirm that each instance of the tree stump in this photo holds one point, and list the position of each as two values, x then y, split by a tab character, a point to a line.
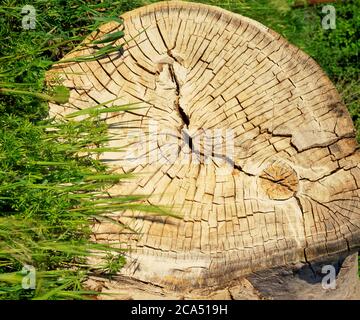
239	133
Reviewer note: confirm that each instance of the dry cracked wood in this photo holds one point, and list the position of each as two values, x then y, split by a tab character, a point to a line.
287	189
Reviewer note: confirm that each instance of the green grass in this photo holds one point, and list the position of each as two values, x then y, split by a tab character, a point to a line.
49	195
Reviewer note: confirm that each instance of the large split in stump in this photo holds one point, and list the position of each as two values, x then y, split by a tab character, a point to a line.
243	136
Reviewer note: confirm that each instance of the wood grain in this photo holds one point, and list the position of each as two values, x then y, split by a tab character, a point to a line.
291	190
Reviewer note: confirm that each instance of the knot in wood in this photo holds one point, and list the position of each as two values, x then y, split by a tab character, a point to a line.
279	181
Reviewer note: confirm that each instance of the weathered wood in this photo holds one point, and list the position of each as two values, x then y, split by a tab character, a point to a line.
285	191
293	282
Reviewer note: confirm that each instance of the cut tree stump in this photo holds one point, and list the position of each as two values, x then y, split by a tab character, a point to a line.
244	137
